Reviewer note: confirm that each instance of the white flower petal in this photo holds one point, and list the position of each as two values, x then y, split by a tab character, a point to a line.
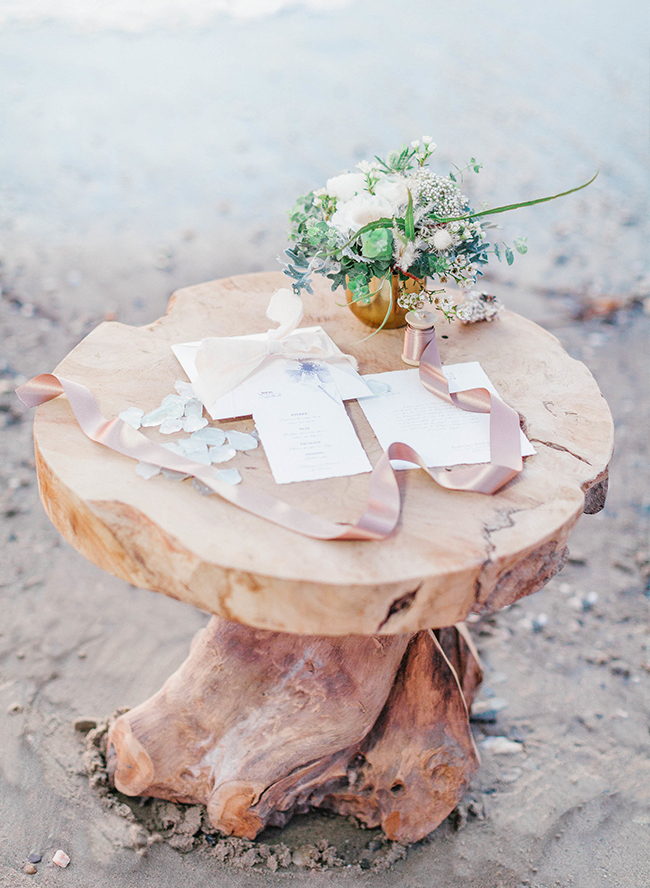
345	186
357	212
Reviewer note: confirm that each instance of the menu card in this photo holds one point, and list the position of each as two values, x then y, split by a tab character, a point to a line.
303	425
443	435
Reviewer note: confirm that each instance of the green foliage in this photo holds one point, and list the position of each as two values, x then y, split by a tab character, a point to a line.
321	243
473	166
409	224
398	161
377	244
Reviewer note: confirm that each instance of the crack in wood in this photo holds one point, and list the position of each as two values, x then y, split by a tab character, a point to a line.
561	448
488	530
400	604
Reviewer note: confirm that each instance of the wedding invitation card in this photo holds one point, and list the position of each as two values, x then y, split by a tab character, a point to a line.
303	425
443	435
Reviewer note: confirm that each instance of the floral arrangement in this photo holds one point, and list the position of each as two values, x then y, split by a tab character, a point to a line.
394	216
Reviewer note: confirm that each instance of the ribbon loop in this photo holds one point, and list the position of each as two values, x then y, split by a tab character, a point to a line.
275	347
222	363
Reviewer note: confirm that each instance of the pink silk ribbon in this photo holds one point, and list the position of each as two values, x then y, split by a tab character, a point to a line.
383	509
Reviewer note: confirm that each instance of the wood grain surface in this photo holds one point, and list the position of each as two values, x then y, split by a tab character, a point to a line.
259	726
453	552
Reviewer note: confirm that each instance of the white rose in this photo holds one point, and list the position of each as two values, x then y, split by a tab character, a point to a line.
394	192
345	186
442	240
351	215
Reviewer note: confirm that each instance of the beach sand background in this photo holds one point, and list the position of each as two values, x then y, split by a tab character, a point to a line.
150	146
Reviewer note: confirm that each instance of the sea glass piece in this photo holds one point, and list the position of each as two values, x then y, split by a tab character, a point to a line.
132	416
222	454
172	407
173	475
241	440
229	476
214	437
194	407
170	425
184	389
195	450
146	470
194	423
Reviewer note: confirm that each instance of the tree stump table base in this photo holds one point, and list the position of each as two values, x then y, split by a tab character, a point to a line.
338	695
260	725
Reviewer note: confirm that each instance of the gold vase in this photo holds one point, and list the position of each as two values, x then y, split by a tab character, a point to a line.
373	313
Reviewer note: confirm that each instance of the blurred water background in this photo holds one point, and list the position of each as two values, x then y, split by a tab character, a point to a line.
151	145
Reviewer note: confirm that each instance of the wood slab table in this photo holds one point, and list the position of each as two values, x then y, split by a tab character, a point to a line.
332	674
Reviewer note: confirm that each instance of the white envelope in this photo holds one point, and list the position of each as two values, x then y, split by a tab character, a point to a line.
240	401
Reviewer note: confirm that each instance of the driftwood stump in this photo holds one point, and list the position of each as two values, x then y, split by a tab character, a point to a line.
258	725
319	682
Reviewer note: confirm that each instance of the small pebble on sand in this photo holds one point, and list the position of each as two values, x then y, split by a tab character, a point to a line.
61	859
34	857
538	622
30	869
501	746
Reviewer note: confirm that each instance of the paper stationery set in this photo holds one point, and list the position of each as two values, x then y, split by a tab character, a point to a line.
293	381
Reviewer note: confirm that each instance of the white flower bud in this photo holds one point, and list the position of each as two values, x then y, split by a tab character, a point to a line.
415	143
442	240
365	166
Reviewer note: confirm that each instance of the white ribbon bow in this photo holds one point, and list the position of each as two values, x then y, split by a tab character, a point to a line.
222	363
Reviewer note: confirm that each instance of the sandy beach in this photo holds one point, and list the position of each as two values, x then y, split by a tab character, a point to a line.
149	148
